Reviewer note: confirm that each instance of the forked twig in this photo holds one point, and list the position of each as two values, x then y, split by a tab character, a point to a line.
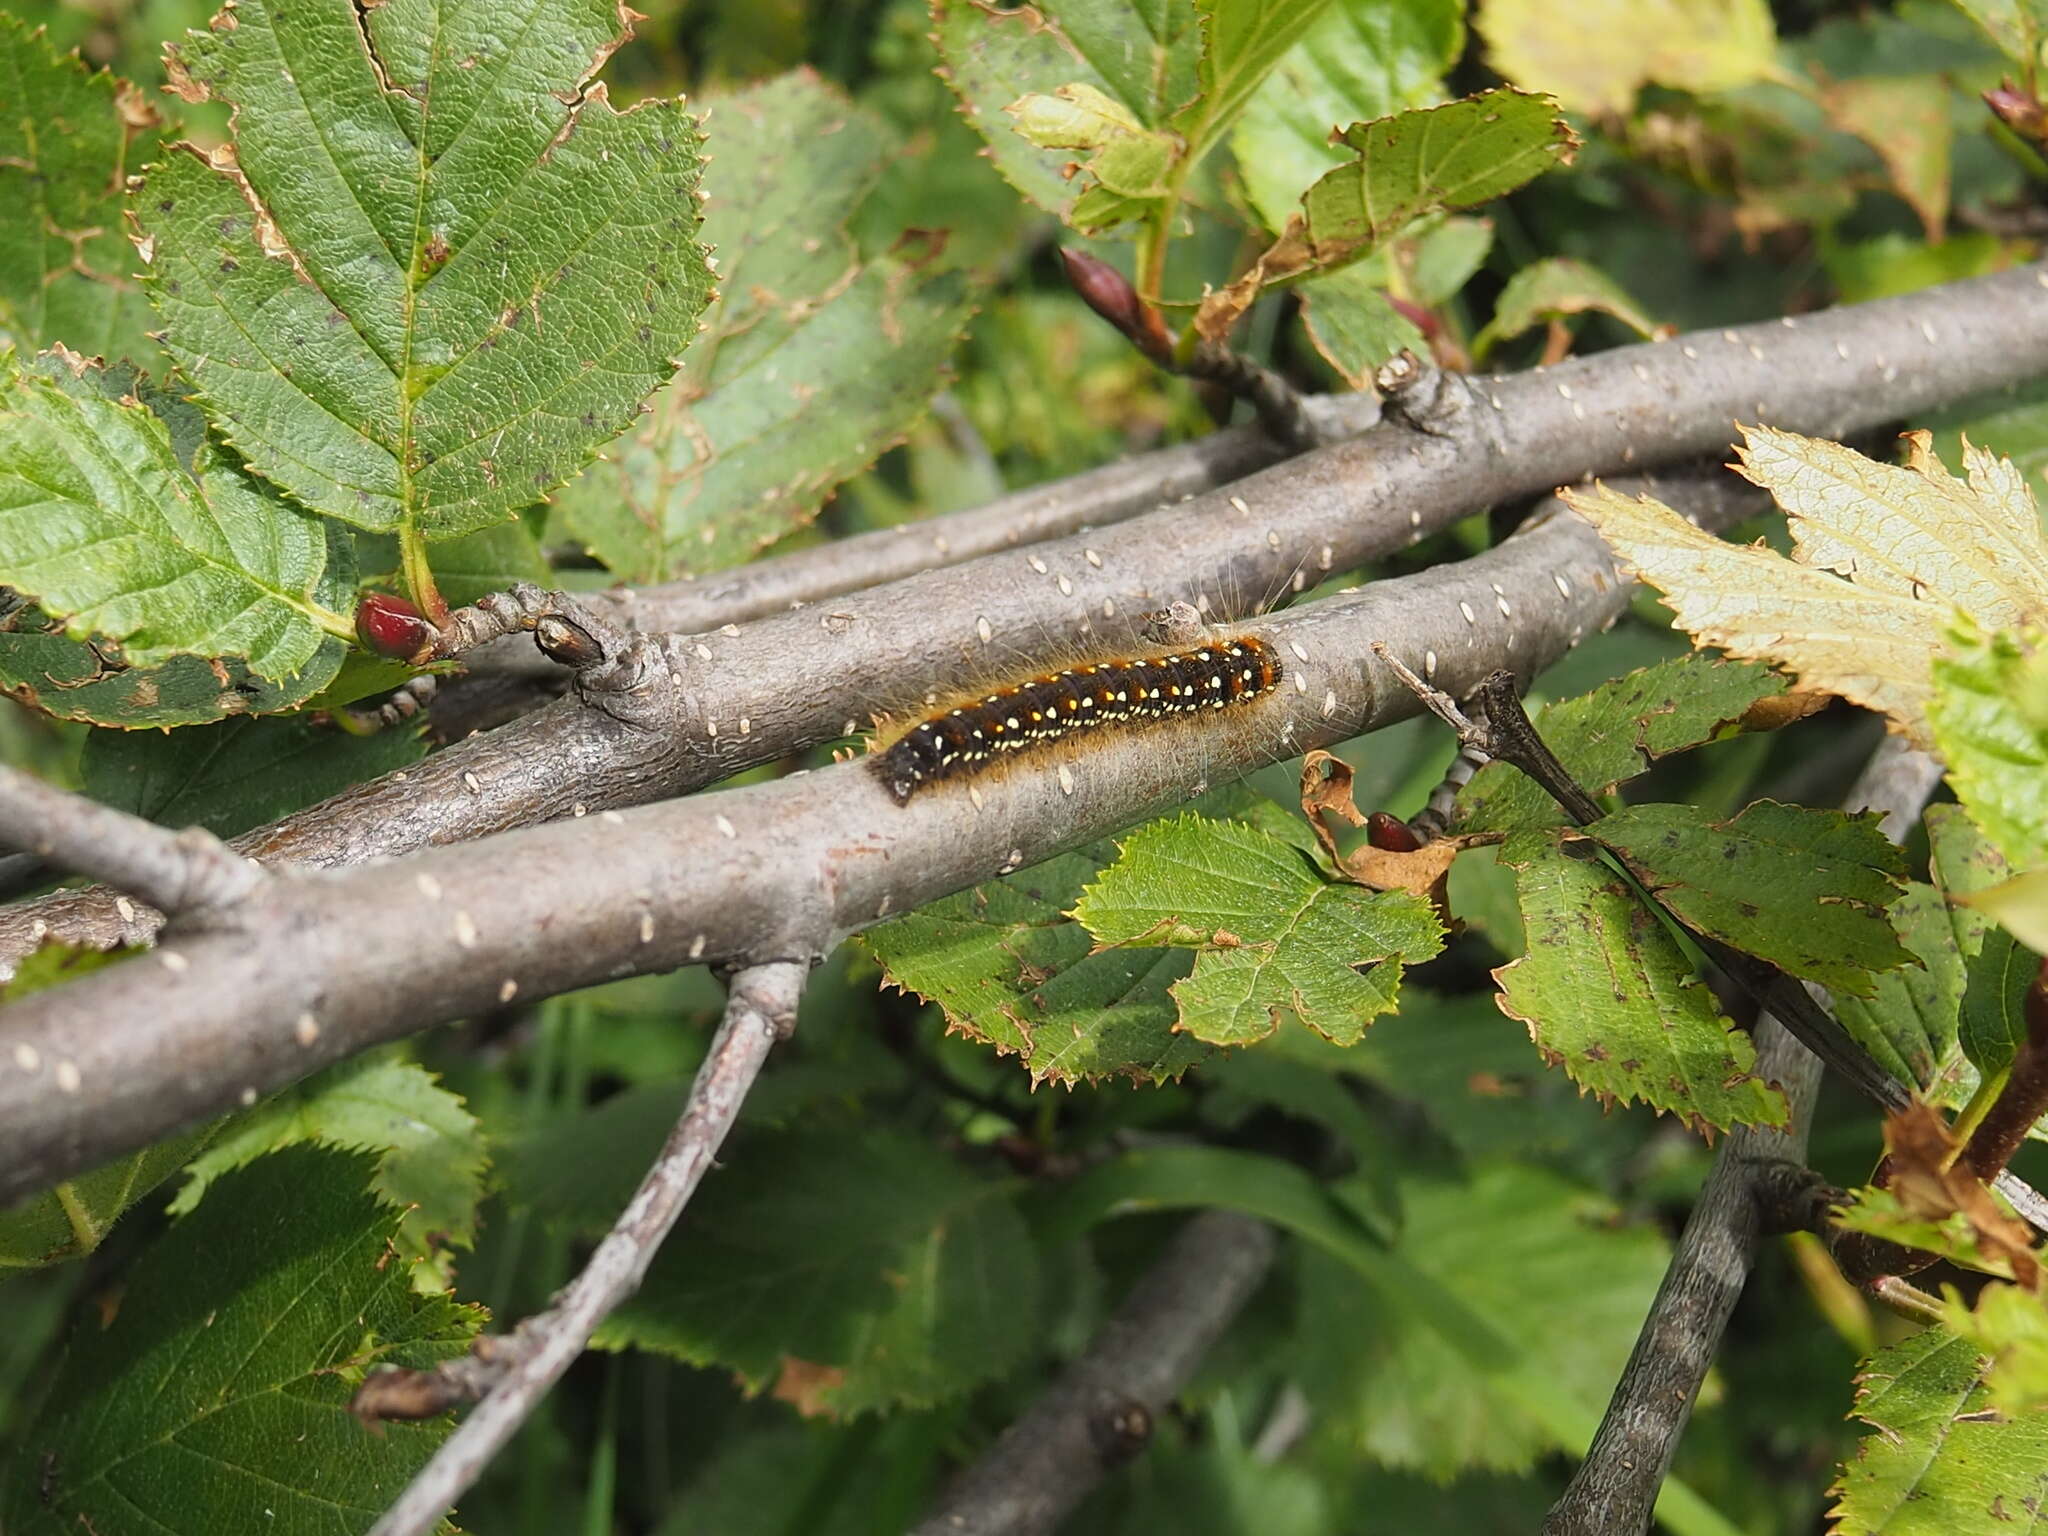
514	1372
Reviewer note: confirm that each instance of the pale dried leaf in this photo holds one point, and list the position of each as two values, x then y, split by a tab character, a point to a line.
1871	647
1915	531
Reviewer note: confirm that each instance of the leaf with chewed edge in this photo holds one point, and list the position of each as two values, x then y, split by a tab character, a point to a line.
69	137
1738	880
1276	935
812	363
1938	1464
1606	993
441	316
1608	736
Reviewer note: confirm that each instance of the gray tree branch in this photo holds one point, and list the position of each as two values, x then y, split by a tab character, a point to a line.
1101	1411
780	871
511	1374
1614	1490
739	696
181	872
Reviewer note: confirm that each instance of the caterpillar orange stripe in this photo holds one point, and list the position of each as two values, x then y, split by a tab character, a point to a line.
958	743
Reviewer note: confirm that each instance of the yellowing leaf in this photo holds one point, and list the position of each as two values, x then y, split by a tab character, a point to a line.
1613	47
2020	907
1885	557
1916	530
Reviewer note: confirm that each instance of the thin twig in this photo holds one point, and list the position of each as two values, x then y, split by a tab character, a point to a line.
516	1372
794	680
1100	1412
175	872
1614	1490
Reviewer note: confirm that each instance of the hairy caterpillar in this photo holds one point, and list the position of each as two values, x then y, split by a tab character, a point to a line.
1203	674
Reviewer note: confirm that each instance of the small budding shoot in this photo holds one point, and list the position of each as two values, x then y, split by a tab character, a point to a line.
391	626
1109	293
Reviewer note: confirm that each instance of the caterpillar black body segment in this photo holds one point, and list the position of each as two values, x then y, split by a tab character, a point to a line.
960	742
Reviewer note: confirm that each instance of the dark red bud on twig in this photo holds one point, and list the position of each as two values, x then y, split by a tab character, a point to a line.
1390	834
1423	320
2019	111
1110	294
393	627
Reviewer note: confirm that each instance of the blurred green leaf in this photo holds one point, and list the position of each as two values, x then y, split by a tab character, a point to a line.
1735	881
1608	995
1538	1258
216	1400
1276	936
1552	288
443	316
2008	1324
1990	720
1611	48
868	1271
1360	60
812	363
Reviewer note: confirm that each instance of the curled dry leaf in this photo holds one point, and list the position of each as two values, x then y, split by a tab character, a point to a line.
1929	1184
1326	786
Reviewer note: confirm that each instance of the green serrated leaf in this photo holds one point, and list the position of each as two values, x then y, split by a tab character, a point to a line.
1610	735
1360	60
237	774
1879	1213
877	1258
2009	1324
216	1402
1990	722
1553	288
443	314
430	1162
106	527
1428	159
71	1220
1010	968
69	137
1908	1022
812	363
1242	42
1938	1464
1143	57
1607	994
1277	937
1737	880
72	680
